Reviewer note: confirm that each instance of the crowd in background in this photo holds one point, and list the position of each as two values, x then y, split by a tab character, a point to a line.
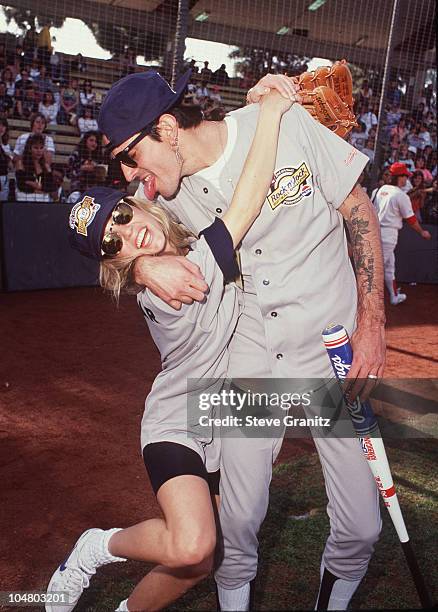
409	137
40	86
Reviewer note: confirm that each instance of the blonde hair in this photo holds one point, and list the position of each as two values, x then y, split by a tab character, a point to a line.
116	272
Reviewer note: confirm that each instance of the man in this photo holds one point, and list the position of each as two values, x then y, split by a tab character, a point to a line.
220	76
393	205
297	278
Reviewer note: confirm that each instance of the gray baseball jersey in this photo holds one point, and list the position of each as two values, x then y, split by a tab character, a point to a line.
192	344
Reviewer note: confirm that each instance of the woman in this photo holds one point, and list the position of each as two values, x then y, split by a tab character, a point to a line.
417	194
37	126
33	173
420	165
87	123
69	103
8	79
181	461
5	159
87	95
49	108
83	163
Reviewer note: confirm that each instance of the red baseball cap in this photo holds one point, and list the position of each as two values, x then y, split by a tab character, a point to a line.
399	169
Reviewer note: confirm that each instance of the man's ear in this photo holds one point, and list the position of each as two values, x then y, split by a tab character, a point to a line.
167	127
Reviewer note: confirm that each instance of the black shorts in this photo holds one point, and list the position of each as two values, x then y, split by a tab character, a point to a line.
166	460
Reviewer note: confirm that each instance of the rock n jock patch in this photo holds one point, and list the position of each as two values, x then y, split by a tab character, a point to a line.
289	186
82	214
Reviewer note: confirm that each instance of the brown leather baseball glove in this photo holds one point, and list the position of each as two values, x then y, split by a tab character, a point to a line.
327	94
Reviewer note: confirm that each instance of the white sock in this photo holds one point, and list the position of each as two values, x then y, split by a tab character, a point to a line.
234	600
97	554
123	606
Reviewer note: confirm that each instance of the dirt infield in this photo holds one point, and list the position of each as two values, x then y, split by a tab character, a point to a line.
75	372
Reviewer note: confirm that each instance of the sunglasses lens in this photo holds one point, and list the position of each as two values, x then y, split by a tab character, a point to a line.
126	159
123	213
112	244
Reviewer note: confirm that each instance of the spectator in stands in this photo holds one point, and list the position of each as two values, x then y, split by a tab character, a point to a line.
59	194
85	160
404	158
394	95
26	105
357	136
37	126
33	173
5	159
202	94
368	150
220	76
3	57
87	123
17	61
44	45
49	108
367	117
419	112
6	102
206	73
427	153
424	135
79	64
420	165
413	138
22	81
393	117
399	133
417	194
55	66
129	62
43	83
192	66
87	95
430	209
9	81
365	92
69	103
35	71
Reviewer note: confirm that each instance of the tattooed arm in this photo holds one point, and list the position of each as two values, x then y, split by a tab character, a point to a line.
369	338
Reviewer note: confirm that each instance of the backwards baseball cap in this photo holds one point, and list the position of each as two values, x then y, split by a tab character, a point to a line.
135	102
399	169
89	217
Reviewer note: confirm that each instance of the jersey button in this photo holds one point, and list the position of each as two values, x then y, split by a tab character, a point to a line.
205	190
219	210
274	314
258	251
266	282
279	355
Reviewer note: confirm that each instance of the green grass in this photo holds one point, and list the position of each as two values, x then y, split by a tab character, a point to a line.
290	549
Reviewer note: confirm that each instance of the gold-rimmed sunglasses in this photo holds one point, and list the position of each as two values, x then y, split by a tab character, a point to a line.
112	242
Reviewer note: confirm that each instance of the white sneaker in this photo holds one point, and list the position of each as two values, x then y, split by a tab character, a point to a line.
398	299
73	575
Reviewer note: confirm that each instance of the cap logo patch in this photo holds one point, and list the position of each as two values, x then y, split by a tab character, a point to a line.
82	215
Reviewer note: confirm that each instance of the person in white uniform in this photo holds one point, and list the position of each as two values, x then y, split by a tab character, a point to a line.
393	206
297	278
182	459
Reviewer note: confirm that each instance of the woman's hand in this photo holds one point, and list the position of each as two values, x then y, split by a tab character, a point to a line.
285	85
275	102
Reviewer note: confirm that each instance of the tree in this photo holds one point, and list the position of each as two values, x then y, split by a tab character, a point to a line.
253	63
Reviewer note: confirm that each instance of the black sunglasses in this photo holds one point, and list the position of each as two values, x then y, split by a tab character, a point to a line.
123	156
112	242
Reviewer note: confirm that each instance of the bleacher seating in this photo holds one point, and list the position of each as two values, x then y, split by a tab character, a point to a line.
103	73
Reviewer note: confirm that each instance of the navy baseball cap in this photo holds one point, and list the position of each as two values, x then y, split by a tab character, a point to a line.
135	102
89	217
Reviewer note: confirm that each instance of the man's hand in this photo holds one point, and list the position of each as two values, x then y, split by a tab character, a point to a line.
285	85
369	350
175	280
